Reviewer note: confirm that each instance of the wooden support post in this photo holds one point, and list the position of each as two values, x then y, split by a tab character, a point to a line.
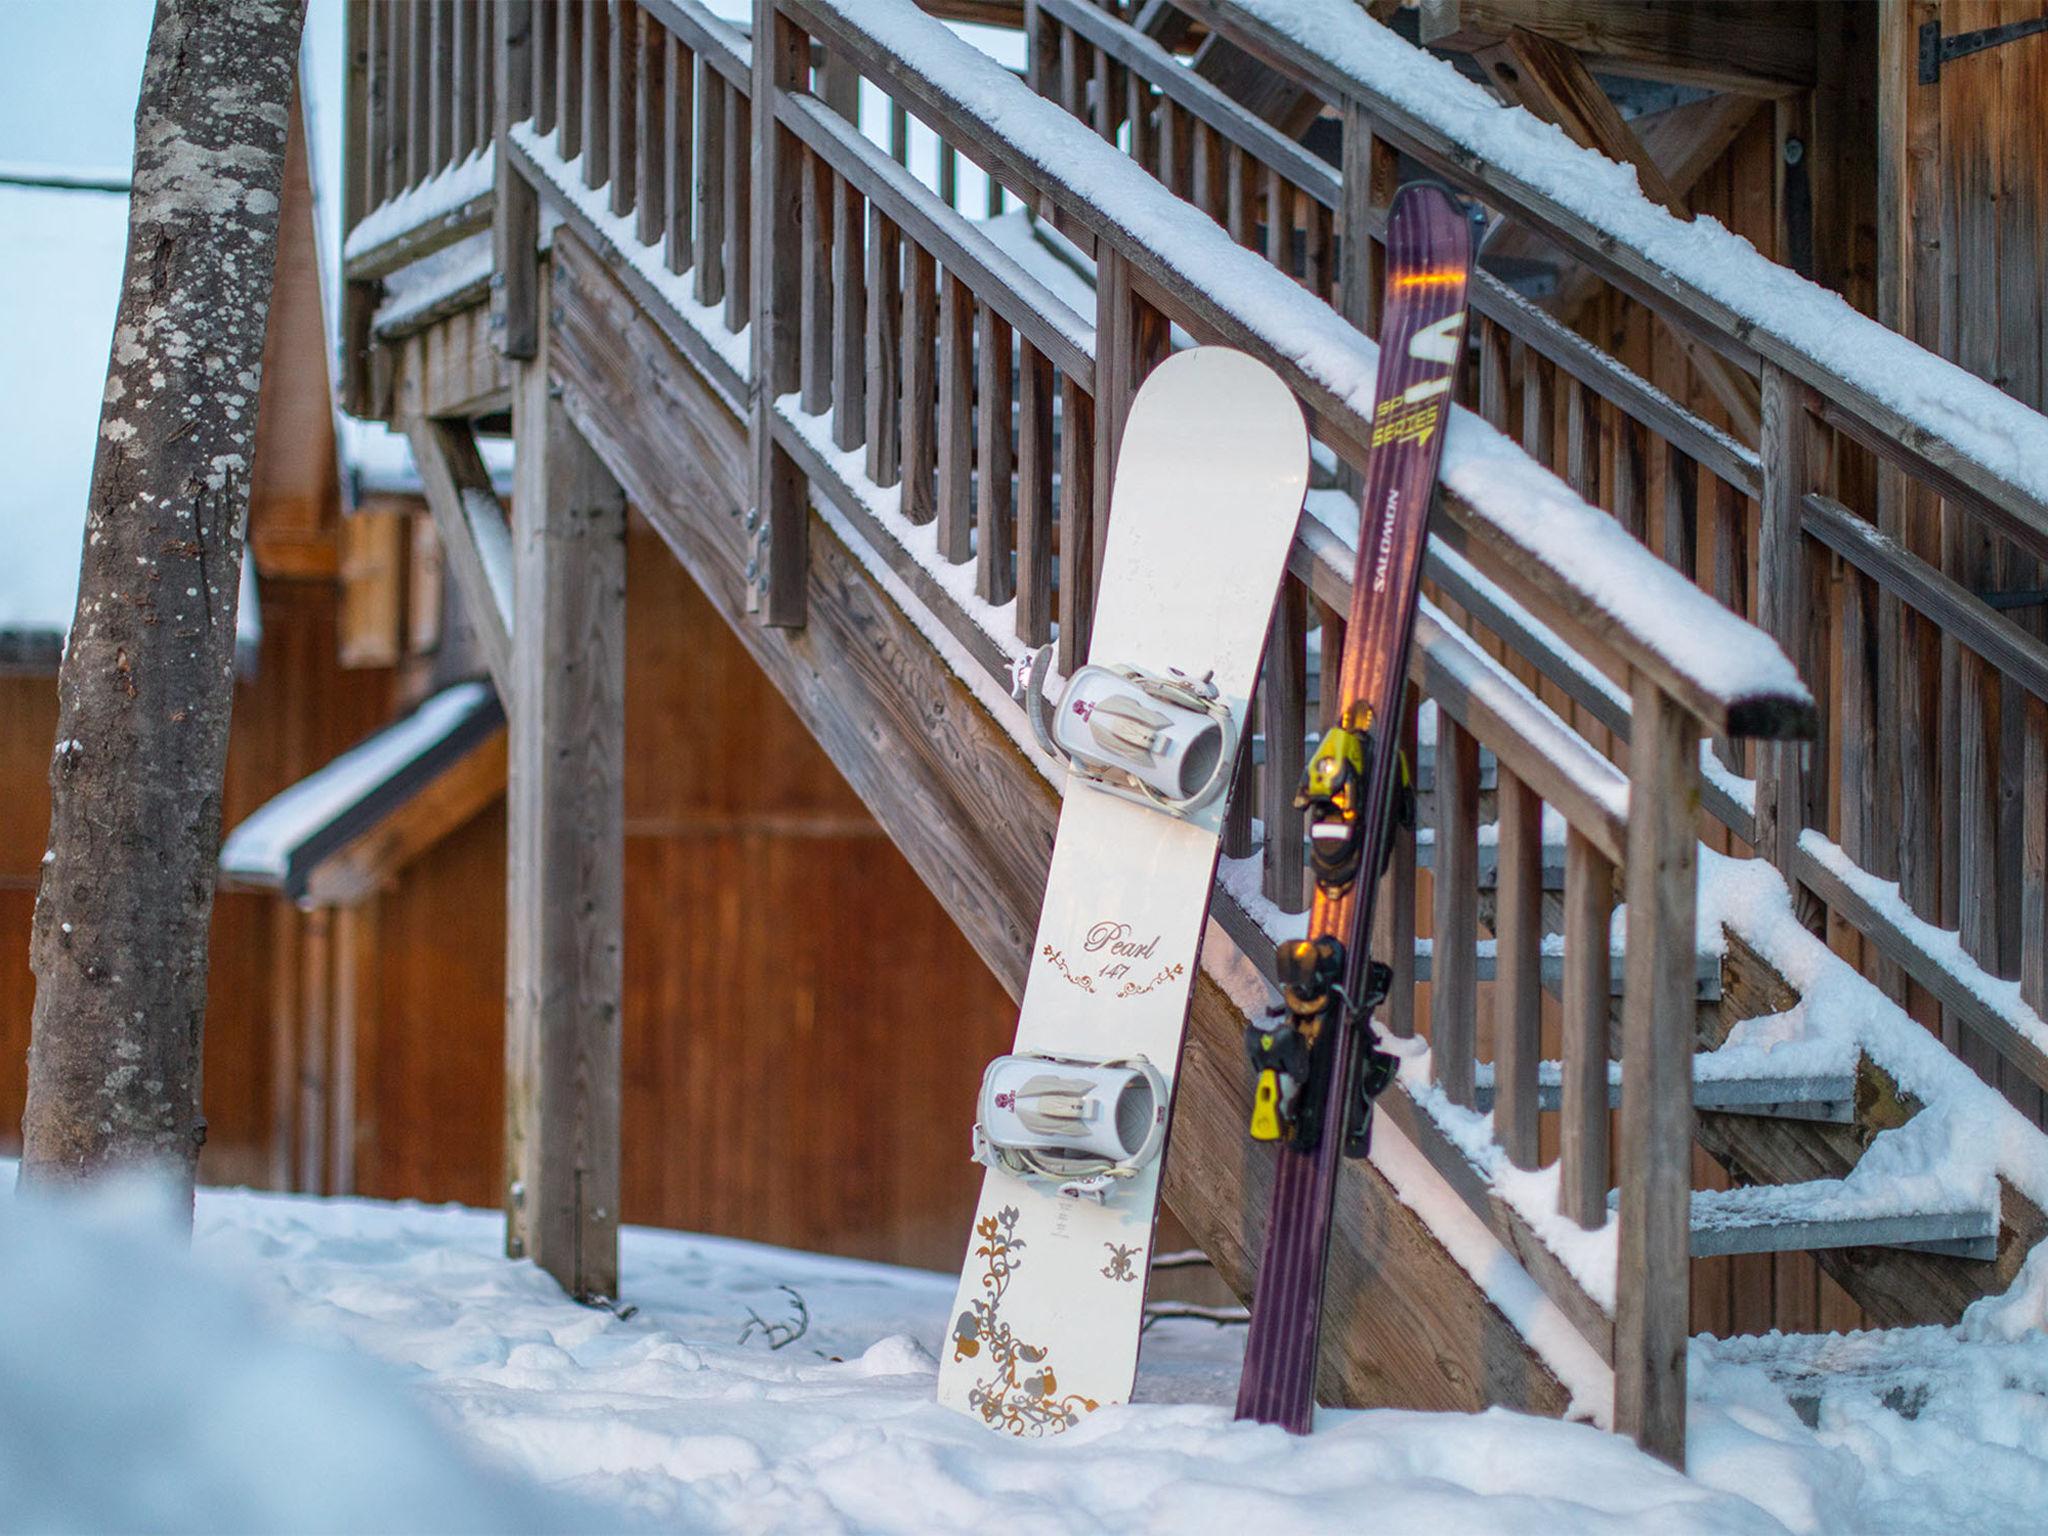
780	561
1517	975
1653	1312
515	213
1583	1110
565	851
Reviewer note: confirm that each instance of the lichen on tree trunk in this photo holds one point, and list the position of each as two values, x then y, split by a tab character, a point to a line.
119	946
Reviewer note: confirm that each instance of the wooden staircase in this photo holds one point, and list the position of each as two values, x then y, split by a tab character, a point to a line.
877	432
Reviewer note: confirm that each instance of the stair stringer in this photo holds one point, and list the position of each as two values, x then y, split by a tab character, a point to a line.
1408	1324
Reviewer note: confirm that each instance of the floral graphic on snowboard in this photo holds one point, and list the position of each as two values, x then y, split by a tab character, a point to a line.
1019	1393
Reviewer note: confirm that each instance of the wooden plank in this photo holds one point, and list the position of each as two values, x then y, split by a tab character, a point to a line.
1453	984
1651	1317
920	386
712	160
1283	719
475	536
565	850
883	347
515	213
956	422
1583	1163
1517	984
1755	48
1035	514
995	516
849	317
768	300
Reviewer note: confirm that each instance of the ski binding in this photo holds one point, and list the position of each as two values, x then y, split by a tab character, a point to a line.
1082	1125
1290	1051
1167	741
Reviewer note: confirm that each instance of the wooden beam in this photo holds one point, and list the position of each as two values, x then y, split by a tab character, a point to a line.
354	872
565	848
1755	46
475	537
1406	1326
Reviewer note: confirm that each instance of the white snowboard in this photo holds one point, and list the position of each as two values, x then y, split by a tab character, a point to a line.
1209	484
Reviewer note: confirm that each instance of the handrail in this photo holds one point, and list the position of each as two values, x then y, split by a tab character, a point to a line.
1312	40
1330	367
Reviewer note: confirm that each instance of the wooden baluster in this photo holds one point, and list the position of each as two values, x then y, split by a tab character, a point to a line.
1329	688
994	577
597	95
678	129
1138	113
1283	717
484	102
569	79
650	127
920	386
1236	837
1517	975
515	216
899	133
440	62
1631	471
544	41
1205	172
739	120
1495	398
1859	744
1539	423
1034	495
1072	95
1077	517
1275	194
1177	149
956	421
949	175
1394	913
1731	582
849	317
460	96
712	160
1651	1320
1681	511
1793	611
814	286
2034	863
1977	871
1100	98
1583	1119
1454	872
769	302
622	66
884	347
1318	266
1240	191
1582	441
419	68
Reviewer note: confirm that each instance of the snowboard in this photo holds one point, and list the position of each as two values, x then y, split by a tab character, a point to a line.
1209	484
1316	1068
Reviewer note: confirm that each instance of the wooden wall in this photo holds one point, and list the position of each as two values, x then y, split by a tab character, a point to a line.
296	712
804	1027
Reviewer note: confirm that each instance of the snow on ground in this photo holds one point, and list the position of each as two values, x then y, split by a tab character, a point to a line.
358	1365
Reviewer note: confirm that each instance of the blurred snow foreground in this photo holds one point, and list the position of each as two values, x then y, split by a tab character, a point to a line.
354	1366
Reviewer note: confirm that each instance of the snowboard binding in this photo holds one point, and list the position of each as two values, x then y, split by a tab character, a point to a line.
1332	795
1290	1053
1082	1125
1164	741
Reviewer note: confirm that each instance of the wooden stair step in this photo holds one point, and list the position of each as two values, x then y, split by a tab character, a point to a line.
1792	1218
1828	1096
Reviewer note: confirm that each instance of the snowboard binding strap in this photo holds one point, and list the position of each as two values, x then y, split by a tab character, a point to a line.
1082	1125
1164	741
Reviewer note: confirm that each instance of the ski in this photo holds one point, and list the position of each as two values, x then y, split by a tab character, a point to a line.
1210	478
1315	1064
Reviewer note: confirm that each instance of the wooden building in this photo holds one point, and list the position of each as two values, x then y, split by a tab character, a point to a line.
812	334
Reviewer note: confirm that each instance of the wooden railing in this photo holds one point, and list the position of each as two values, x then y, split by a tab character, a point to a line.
1922	775
958	414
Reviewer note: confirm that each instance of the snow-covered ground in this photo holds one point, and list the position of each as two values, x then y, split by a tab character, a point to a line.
351	1365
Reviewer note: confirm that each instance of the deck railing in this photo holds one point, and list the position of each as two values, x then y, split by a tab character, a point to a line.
962	416
1927	771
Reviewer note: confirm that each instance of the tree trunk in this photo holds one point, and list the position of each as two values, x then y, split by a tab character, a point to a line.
120	935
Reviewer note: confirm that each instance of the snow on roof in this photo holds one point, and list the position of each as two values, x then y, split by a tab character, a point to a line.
281	842
1983	421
